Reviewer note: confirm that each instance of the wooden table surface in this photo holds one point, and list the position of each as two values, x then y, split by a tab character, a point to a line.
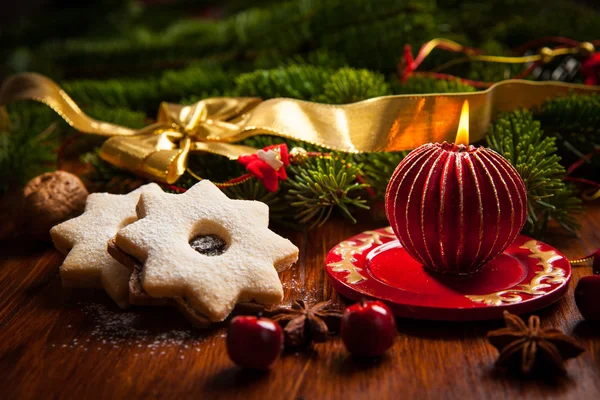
65	343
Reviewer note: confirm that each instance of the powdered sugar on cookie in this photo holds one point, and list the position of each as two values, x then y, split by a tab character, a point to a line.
212	285
84	241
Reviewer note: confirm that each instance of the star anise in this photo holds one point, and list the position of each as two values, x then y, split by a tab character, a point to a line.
528	347
303	324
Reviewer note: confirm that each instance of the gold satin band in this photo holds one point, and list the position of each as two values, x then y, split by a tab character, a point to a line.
505	59
404	122
31	86
389	123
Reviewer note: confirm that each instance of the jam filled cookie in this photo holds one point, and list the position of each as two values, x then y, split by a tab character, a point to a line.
84	241
209	250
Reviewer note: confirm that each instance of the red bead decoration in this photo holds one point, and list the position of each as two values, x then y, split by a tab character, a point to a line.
254	342
587	297
455	207
368	328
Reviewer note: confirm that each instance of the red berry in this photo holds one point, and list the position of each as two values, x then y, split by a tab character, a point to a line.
368	328
254	342
587	297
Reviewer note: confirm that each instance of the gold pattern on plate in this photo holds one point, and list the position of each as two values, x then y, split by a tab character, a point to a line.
348	248
542	279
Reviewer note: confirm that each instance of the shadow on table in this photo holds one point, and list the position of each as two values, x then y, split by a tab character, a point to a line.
543	381
235	378
588	330
347	365
450	330
559	238
23	247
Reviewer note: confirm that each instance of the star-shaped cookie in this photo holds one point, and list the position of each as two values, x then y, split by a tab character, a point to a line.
84	240
211	284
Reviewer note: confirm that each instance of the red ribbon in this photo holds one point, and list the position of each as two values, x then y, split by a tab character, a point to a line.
590	69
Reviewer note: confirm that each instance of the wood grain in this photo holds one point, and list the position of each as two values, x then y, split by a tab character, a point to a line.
64	343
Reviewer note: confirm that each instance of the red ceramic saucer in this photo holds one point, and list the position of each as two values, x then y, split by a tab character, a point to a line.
529	275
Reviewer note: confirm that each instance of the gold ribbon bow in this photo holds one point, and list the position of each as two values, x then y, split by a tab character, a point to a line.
390	123
161	150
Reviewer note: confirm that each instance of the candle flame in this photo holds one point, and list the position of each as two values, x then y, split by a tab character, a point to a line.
462	135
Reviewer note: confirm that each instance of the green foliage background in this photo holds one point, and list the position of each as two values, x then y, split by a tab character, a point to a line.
120	59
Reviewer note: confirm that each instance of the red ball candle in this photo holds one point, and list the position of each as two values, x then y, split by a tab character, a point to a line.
454	207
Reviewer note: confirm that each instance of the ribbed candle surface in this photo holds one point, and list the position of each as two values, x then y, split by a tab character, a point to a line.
455	207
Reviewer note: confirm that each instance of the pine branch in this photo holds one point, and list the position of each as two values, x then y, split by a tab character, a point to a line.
253	189
117	115
416	85
307	82
377	169
27	142
319	58
490	72
348	85
211	166
147	94
546	18
575	114
518	137
103	177
295	81
379	45
95	17
368	34
575	122
323	185
288	27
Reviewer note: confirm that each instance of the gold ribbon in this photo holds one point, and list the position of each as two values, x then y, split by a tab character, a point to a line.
215	125
545	54
160	150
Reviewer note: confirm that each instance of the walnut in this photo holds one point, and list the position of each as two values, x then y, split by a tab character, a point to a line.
50	199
